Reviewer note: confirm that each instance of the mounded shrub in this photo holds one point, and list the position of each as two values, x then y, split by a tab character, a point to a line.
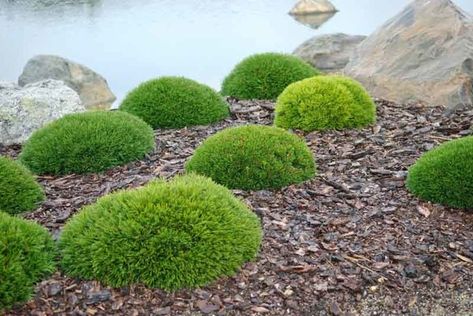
444	175
323	103
175	102
254	157
170	235
265	76
27	254
87	142
19	191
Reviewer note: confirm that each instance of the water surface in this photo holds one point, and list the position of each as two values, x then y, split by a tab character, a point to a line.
132	41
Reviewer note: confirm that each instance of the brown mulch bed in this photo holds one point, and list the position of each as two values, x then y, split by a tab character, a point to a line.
352	241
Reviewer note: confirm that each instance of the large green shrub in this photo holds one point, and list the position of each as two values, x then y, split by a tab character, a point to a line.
175	102
325	102
87	142
444	175
27	254
19	191
254	157
171	235
265	76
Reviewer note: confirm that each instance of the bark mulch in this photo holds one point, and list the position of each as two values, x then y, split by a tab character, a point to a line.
352	241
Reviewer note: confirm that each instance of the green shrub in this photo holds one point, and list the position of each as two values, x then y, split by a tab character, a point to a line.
254	157
325	102
26	255
444	175
171	235
19	191
174	102
87	142
265	76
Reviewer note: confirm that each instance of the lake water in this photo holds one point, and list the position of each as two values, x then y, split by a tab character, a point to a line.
130	41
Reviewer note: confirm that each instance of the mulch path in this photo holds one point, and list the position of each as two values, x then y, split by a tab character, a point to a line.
352	241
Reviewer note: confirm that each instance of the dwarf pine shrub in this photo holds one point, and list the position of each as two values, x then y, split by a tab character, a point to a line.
325	103
19	191
27	254
87	142
253	157
184	233
175	102
265	76
444	175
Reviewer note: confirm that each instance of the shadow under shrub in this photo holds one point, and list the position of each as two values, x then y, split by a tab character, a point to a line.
265	76
27	254
444	175
325	103
87	142
175	102
19	191
184	233
254	157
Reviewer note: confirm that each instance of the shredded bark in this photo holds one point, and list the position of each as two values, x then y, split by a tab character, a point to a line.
352	241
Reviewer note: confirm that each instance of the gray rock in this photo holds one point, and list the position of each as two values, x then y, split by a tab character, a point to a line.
24	110
424	54
329	53
313	6
91	87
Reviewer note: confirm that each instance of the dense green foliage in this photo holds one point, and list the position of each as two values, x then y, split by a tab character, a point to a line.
325	102
27	254
87	142
444	175
254	157
19	191
265	76
171	235
175	102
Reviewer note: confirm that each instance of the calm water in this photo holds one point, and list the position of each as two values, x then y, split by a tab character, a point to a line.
132	41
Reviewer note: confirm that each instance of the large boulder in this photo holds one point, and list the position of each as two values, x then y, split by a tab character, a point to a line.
331	52
91	87
423	54
313	6
24	110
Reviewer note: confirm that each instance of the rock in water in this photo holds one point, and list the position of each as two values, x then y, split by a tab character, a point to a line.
24	110
313	6
423	54
91	87
315	20
331	52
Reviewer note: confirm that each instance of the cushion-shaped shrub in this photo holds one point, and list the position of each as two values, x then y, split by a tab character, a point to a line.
265	76
444	175
170	235
253	157
87	142
19	191
175	102
325	102
27	254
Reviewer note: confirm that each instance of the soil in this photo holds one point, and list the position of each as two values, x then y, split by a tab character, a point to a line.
352	241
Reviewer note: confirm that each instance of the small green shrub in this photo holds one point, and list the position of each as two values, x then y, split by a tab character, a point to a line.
175	102
87	142
254	157
444	175
171	235
27	254
19	191
325	102
265	76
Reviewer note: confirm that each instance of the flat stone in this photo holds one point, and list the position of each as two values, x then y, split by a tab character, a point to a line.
331	52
